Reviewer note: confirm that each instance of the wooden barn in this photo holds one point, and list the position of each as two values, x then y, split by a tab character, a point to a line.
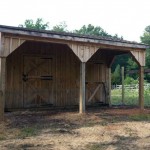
51	69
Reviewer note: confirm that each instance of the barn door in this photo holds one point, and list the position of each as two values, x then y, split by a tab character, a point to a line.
37	81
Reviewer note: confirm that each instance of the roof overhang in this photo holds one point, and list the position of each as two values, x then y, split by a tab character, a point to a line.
71	37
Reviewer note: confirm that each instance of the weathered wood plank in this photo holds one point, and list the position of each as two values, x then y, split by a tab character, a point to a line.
10	44
139	57
64	78
2	86
109	87
82	88
141	87
83	51
70	37
95	91
2	50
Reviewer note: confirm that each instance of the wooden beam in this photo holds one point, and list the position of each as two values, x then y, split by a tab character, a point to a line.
109	86
70	37
82	88
138	56
95	91
2	86
9	45
110	60
83	51
141	87
137	71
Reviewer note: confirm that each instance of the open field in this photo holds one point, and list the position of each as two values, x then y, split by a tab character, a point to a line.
131	97
98	129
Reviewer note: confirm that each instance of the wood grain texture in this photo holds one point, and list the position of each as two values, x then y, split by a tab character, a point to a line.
65	68
139	57
141	87
2	86
83	51
70	37
82	88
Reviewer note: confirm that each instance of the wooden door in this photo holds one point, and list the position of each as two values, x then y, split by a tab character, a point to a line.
37	81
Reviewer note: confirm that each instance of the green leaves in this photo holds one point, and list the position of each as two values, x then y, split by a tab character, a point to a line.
39	25
91	30
116	79
62	27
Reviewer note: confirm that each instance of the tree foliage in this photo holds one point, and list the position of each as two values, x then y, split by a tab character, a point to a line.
145	38
62	27
91	30
39	25
116	76
95	30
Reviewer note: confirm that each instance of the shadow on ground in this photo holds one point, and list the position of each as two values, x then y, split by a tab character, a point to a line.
31	123
119	143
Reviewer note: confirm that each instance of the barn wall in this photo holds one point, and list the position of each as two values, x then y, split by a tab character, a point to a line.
65	70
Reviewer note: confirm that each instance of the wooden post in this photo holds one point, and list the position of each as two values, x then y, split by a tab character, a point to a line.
109	86
122	77
82	88
2	86
141	87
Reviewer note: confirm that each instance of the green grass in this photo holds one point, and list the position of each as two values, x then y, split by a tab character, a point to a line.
28	131
131	97
140	117
2	137
97	146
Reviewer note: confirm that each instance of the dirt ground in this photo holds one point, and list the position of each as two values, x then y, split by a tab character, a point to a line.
98	129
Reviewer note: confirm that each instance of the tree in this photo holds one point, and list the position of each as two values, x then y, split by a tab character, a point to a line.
122	60
145	38
62	27
39	25
91	30
116	76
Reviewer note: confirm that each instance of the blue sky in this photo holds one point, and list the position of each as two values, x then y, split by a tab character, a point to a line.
127	18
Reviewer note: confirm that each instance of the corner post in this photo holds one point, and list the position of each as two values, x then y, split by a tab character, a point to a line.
2	86
141	87
82	88
109	86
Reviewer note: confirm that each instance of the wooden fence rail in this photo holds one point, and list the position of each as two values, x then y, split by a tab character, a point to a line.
131	86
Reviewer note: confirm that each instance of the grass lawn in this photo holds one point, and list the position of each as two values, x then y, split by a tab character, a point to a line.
131	97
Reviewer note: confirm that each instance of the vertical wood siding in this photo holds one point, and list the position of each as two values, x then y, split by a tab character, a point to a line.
65	68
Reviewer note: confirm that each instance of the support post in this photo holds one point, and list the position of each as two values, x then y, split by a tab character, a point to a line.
109	86
141	87
2	86
122	75
82	88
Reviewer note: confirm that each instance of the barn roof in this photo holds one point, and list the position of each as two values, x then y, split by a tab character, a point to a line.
71	36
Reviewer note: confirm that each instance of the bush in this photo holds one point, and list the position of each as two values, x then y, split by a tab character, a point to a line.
130	80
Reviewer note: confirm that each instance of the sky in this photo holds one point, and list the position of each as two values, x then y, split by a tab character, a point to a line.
127	18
